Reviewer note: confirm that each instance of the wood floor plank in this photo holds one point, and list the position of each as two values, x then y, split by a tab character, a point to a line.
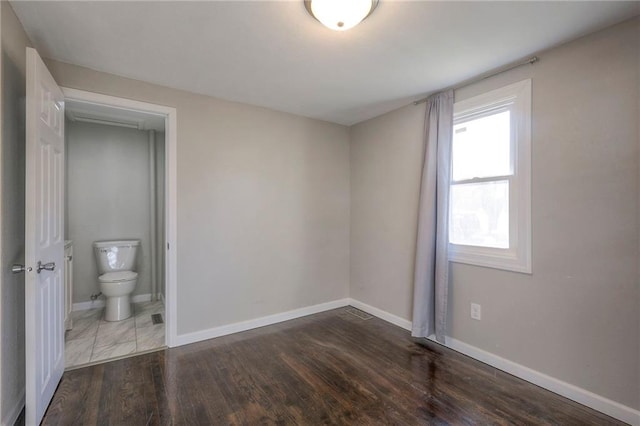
328	368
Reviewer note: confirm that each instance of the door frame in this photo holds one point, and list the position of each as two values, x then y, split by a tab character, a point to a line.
170	177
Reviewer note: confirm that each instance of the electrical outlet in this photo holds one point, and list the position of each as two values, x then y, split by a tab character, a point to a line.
476	311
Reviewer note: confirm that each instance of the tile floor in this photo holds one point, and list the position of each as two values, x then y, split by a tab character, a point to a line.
93	339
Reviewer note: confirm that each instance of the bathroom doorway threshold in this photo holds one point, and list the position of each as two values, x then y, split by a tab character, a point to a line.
117	358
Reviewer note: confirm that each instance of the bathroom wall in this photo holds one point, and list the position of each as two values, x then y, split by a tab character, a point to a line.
12	160
108	186
576	318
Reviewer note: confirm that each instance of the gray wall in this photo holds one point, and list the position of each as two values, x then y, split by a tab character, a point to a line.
385	182
12	158
263	204
108	191
576	317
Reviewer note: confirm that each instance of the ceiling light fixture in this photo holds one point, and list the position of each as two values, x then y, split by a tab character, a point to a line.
340	15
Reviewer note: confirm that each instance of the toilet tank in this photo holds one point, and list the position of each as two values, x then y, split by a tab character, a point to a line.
114	256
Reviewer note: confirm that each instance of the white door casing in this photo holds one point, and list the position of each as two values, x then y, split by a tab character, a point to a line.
171	148
44	238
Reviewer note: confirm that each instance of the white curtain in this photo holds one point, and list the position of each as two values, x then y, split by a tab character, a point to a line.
431	279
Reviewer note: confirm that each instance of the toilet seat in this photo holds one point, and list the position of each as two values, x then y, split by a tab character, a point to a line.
116	277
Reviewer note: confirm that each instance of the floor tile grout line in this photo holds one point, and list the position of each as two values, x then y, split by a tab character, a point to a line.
95	337
95	340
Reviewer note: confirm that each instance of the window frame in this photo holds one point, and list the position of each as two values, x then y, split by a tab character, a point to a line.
517	99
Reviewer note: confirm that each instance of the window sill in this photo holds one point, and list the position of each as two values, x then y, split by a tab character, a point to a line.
491	258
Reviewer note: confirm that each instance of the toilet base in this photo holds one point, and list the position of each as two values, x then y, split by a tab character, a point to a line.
118	308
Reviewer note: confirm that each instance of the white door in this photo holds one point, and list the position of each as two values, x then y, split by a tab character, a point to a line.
44	235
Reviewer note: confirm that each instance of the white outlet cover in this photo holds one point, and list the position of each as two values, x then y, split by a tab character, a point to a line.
476	311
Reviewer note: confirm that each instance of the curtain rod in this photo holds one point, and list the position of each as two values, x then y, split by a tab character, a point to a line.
531	60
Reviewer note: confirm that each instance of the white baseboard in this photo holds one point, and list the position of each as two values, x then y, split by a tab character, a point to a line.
223	330
138	298
393	319
582	396
83	306
99	303
574	393
12	415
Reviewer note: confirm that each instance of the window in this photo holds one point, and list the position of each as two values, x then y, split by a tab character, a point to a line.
490	190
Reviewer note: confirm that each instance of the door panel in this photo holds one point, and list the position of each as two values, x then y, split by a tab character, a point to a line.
44	238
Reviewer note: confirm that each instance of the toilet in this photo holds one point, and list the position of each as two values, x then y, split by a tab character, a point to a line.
116	262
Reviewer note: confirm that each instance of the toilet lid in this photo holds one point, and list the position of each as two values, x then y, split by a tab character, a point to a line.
118	276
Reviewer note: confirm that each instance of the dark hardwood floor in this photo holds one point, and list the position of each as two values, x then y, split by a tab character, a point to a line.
328	368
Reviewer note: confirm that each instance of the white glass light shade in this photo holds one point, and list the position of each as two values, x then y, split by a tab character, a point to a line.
340	15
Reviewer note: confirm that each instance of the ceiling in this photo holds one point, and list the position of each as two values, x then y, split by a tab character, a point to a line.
273	54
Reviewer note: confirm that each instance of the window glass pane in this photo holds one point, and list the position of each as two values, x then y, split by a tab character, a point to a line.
481	147
480	214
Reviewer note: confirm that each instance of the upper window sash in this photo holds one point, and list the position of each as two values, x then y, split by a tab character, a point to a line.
482	111
479	112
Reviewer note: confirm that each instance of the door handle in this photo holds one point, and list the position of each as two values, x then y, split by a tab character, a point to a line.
47	266
17	268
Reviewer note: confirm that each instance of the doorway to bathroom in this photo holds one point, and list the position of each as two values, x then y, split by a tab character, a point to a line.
119	183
